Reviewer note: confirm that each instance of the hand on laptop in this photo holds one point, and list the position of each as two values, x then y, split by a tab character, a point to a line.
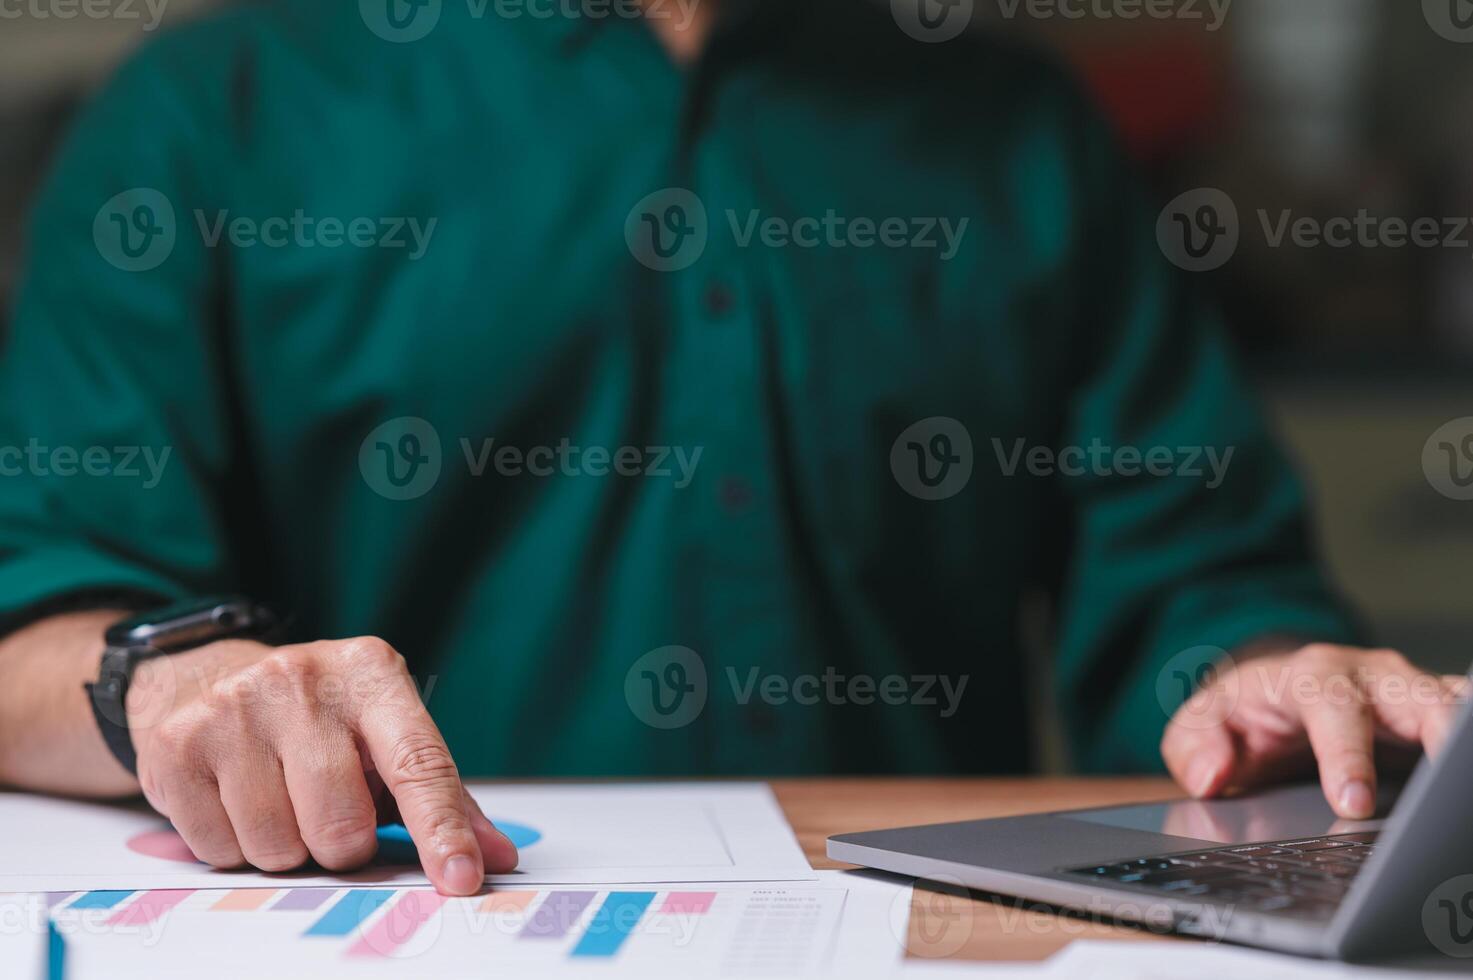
269	756
1273	716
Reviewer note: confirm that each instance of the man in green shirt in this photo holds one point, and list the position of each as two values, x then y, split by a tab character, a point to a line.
648	397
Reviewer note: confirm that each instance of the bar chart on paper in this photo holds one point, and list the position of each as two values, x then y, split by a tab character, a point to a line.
840	925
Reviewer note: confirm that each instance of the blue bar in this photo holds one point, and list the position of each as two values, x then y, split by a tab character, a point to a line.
613	923
98	900
55	952
350	911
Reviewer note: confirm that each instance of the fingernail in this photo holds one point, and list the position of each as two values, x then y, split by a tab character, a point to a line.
1200	777
461	875
501	859
1357	801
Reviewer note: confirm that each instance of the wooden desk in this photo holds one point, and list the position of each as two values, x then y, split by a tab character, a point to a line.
946	925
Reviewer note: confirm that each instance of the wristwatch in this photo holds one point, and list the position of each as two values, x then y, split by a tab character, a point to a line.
157	633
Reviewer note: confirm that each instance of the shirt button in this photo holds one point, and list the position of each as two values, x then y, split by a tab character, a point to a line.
718	299
736	495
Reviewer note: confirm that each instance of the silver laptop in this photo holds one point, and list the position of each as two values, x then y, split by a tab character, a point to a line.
1276	870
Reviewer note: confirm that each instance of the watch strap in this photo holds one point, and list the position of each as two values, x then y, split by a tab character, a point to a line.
182	627
108	696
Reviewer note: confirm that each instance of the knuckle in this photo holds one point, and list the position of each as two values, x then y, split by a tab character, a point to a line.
209	838
372	650
445	823
234	697
420	759
1390	661
1319	658
180	740
286	672
342	838
271	848
1346	753
277	858
346	824
289	662
223	861
212	849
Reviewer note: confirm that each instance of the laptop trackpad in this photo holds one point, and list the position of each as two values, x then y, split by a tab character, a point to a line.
1298	811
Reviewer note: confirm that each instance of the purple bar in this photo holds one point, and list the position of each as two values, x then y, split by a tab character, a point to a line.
556	915
304	899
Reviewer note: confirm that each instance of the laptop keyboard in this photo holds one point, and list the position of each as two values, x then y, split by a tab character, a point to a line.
1306	877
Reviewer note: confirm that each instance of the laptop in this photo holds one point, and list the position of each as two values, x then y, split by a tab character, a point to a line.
1276	870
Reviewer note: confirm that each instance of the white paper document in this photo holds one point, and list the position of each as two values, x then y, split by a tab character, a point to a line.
1097	960
589	834
24	937
837	925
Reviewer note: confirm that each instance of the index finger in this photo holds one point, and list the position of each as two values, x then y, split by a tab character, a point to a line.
1342	732
412	759
416	768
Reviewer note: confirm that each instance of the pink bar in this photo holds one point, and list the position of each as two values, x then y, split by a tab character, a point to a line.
149	906
687	903
399	924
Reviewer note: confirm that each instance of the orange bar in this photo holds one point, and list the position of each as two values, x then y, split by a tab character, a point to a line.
243	900
506	901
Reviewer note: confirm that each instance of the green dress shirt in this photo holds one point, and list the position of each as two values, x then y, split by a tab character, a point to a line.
717	419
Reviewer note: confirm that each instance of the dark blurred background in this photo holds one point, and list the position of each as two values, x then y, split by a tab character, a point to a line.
1317	107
